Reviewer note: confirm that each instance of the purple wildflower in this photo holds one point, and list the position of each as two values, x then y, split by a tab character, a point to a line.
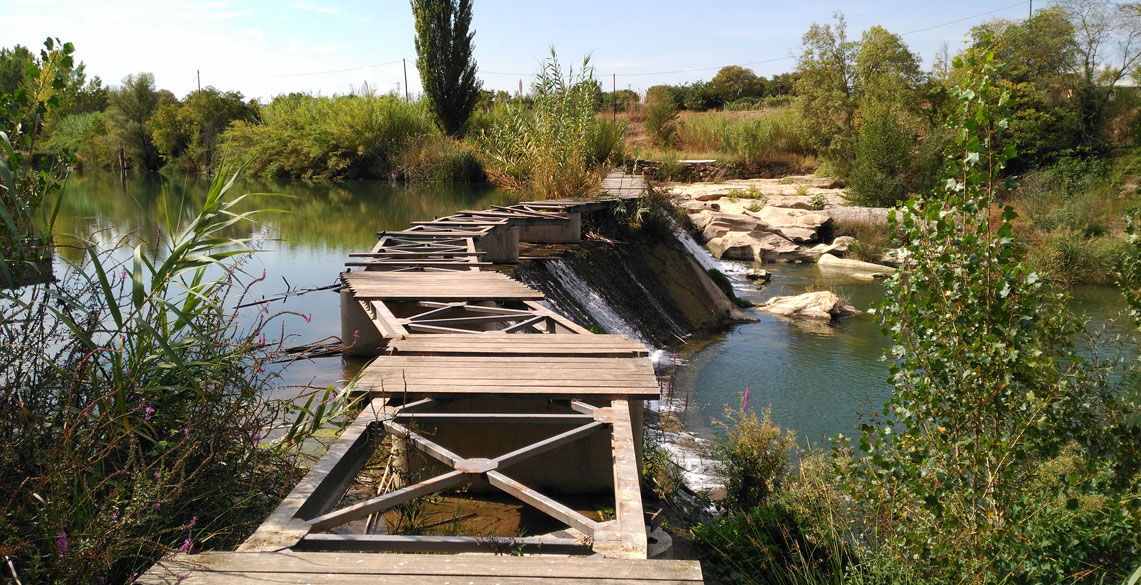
115	515
186	431
61	543
147	414
745	402
185	546
308	317
257	439
158	505
356	334
193	522
127	372
156	475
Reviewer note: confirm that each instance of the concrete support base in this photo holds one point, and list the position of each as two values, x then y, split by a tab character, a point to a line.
501	246
550	232
358	332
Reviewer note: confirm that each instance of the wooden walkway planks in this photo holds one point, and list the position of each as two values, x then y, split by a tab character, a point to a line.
437	286
510	376
492	344
406	569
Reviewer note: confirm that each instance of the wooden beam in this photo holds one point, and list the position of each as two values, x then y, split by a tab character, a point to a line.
542	503
442	544
493	418
438	452
524	453
388	501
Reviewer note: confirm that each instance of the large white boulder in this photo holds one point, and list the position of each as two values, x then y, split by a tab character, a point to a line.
820	305
830	262
798	225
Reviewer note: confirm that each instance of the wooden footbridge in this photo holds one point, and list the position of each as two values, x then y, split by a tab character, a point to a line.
477	386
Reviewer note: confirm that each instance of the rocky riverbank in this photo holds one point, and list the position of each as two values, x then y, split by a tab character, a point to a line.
791	219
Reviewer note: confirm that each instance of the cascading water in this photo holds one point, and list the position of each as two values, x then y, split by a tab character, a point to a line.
597	308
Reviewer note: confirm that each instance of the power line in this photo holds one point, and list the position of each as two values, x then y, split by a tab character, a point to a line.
319	72
963	19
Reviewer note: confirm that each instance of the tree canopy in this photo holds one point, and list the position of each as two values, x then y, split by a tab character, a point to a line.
444	56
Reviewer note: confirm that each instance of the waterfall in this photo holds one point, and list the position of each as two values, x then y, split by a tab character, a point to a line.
591	301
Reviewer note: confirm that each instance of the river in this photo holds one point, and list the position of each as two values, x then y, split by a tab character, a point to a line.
818	379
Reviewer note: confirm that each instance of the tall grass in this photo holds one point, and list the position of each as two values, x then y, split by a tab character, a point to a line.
132	413
340	137
555	148
774	138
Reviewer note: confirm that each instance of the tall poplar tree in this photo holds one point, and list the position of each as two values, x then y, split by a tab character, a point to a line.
444	57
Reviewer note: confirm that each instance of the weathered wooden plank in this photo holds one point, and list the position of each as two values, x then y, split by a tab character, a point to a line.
441	544
548	506
492	418
529	451
379	566
388	501
502	379
401	564
626	536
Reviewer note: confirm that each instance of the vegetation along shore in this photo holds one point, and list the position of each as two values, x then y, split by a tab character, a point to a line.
141	406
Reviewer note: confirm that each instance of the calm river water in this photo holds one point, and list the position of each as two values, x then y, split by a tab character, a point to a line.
817	379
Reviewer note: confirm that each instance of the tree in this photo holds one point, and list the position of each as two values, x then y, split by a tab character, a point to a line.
130	107
826	90
734	82
1107	38
444	56
887	70
995	460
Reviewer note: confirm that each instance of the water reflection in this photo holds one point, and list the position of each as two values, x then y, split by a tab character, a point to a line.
304	246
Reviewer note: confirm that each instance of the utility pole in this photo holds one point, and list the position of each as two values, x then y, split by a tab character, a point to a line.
405	61
614	95
198	72
1031	10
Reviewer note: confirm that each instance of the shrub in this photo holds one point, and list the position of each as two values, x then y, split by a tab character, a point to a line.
661	122
753	455
548	150
134	417
773	138
818	202
722	281
872	239
339	137
1070	257
437	159
879	172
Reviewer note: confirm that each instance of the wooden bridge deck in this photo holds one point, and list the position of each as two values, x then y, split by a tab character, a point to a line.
464	352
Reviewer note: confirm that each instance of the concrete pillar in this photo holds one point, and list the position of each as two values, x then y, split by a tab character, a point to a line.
500	246
553	232
358	333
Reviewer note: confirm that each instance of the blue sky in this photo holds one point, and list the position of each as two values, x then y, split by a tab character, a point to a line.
263	48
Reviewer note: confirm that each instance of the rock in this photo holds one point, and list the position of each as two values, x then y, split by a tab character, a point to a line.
828	261
701	219
838	247
757	246
797	225
707	196
872	215
758	274
797	205
820	305
721	224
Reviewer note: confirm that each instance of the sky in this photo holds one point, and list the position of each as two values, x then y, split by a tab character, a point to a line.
263	48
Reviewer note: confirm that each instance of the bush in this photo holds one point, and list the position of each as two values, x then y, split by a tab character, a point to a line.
773	138
754	457
879	173
550	149
134	417
1069	257
339	137
437	159
872	239
661	122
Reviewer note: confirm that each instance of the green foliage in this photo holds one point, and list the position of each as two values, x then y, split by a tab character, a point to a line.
80	135
25	224
989	396
133	411
550	149
438	159
445	58
339	137
660	473
187	133
754	457
826	92
772	138
880	169
818	202
129	109
661	121
734	82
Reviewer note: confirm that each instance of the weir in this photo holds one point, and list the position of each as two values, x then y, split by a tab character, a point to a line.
505	396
